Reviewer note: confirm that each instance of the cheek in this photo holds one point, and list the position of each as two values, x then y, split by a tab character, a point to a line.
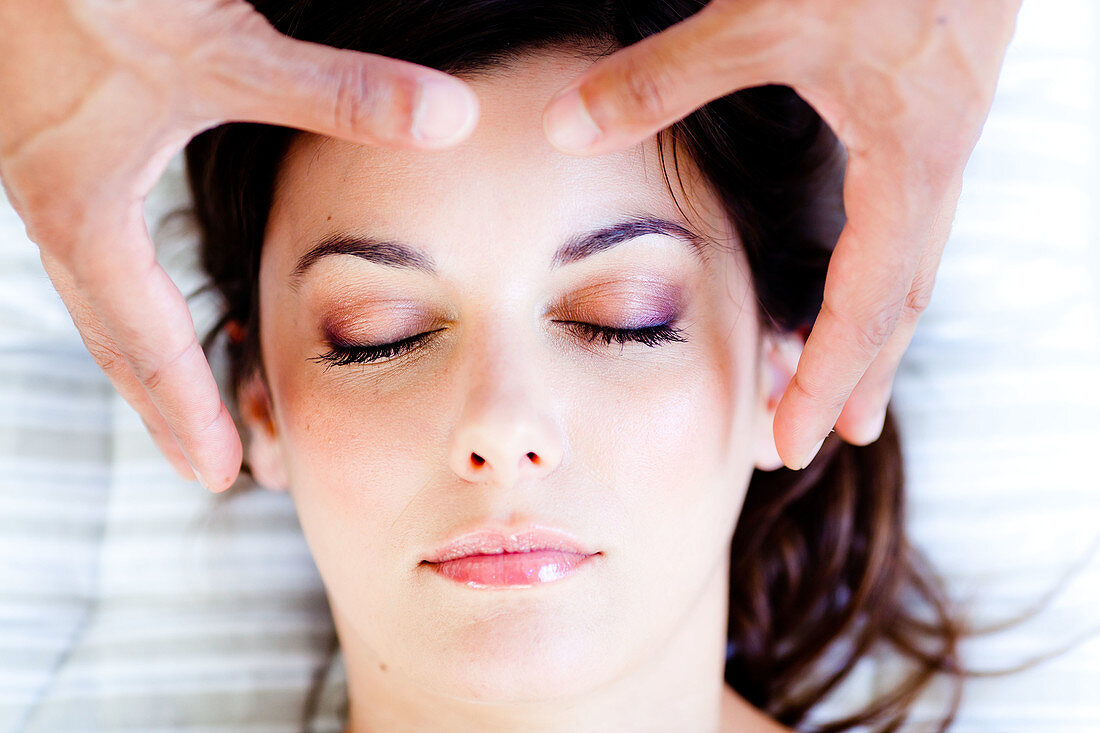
673	446
642	433
358	457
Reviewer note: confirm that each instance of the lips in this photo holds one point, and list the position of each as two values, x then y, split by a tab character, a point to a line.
493	558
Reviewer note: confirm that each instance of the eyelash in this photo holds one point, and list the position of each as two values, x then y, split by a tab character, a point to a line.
648	335
343	355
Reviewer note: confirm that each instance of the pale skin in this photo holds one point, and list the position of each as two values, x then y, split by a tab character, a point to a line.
644	452
99	94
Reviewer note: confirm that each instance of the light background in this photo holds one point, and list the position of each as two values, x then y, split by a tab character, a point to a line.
126	605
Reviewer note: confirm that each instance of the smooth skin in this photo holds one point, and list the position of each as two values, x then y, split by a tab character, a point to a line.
509	415
100	94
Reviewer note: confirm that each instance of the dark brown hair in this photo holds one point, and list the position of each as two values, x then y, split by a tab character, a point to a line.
821	569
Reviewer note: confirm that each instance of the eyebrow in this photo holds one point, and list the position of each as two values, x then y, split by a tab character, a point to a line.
589	243
401	255
391	254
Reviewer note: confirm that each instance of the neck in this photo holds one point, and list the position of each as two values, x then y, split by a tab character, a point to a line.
678	686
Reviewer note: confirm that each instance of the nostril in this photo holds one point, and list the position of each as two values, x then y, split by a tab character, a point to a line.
533	457
477	460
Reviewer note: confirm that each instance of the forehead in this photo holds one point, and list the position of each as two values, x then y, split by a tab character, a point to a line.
505	182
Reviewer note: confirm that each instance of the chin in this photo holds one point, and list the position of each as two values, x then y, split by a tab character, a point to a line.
522	656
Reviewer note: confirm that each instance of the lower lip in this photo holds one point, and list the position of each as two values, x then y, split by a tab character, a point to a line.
511	568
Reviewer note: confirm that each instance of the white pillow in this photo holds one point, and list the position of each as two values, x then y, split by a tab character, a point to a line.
129	602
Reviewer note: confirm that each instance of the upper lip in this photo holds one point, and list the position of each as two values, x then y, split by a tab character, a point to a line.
490	541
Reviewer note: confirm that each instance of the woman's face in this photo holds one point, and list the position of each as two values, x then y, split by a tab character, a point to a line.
509	413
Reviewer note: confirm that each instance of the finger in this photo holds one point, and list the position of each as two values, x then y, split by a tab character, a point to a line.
844	341
114	365
870	275
651	84
864	413
146	318
271	78
86	216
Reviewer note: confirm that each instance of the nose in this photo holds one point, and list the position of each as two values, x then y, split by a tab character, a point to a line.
506	432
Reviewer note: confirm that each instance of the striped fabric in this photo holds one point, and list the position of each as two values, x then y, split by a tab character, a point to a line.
132	601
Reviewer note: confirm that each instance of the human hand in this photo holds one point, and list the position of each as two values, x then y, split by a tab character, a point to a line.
905	85
99	95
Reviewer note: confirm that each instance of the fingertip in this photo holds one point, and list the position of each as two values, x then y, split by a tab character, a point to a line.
223	464
780	434
793	432
215	487
866	432
792	465
568	124
445	112
226	477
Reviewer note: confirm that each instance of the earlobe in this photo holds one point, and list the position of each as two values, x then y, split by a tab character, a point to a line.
779	356
264	451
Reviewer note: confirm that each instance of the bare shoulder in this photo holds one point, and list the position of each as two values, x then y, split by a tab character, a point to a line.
738	716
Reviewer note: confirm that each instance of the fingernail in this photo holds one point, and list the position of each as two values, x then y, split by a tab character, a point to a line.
568	125
813	453
444	112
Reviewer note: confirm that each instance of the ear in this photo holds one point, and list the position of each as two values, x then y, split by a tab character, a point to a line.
264	449
779	354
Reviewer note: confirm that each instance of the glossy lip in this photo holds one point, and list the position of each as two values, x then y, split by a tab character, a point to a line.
491	541
511	569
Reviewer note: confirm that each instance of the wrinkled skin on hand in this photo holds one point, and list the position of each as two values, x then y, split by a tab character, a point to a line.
907	87
99	95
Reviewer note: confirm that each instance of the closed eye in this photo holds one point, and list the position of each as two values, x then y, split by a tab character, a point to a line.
346	354
649	335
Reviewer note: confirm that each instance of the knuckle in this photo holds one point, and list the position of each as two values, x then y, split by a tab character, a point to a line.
809	390
194	419
104	352
873	333
919	298
209	419
815	392
154	374
237	20
642	93
870	332
183	420
361	101
346	103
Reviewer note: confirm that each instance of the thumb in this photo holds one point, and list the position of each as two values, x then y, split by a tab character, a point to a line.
651	84
265	76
